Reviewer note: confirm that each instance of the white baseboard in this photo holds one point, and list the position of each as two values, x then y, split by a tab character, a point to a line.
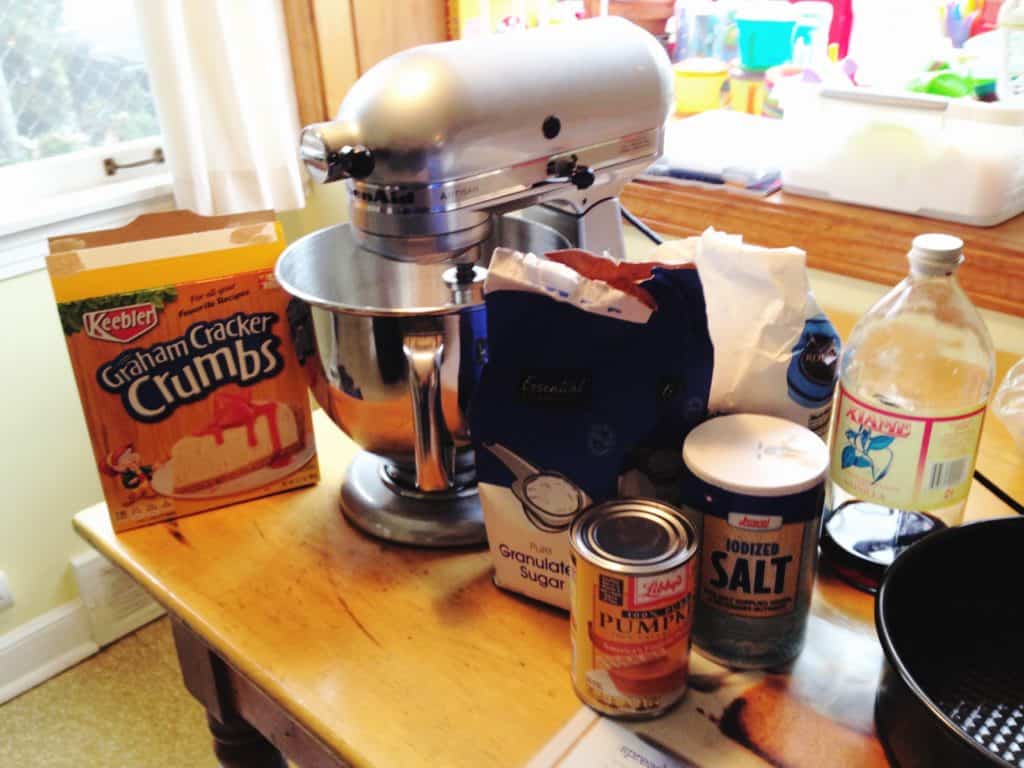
115	602
111	605
44	647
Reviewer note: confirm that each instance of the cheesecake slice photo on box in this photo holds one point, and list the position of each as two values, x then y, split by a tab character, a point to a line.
248	443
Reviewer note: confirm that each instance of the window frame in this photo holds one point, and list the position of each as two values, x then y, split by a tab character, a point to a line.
72	172
71	193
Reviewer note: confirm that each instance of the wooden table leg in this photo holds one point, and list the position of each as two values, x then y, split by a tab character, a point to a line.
238	745
236	742
250	729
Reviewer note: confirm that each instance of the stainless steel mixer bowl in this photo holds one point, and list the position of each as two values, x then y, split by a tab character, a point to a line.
394	349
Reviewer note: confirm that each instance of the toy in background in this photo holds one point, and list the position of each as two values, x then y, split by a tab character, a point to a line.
950	49
980	54
956	82
959	19
699	85
765	35
475	18
964	19
956	49
759	44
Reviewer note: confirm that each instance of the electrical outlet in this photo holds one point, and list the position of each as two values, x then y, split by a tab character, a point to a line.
6	598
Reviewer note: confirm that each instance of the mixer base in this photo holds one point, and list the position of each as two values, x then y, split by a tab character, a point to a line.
426	520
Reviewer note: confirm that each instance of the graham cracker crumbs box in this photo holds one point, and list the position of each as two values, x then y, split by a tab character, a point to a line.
180	343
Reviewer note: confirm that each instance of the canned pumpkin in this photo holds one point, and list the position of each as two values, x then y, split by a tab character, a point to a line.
631	606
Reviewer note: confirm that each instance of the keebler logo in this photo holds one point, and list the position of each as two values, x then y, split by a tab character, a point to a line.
878	424
122	324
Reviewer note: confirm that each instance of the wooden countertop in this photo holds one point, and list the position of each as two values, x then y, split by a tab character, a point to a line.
850	240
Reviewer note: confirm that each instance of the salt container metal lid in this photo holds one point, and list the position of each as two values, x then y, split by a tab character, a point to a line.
756	455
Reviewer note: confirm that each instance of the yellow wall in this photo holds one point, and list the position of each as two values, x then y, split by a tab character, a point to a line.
324	206
46	457
46	461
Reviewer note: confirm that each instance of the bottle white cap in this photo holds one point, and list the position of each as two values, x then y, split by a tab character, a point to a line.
756	455
936	254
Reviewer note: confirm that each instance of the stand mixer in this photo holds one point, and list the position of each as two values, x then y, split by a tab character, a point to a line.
521	140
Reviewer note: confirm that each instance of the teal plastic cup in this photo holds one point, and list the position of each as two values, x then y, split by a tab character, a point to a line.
765	43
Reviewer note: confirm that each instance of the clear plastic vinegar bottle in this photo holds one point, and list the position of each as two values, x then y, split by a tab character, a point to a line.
915	378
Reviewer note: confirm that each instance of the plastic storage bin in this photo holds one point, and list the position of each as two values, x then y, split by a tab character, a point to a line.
959	160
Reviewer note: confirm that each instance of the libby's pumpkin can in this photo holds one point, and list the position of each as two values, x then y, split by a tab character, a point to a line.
632	580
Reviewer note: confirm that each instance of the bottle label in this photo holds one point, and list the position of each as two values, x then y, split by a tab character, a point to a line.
903	461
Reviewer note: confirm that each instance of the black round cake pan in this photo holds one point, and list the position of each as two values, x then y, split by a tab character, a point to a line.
950	617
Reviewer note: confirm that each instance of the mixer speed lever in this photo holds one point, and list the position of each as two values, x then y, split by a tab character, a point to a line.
568	169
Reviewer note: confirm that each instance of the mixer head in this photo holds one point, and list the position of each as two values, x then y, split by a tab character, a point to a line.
434	140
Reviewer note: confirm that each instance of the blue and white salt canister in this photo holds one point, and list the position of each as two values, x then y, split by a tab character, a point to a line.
755	491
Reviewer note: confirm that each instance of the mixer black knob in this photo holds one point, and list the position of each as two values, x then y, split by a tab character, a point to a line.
567	169
356	162
582	177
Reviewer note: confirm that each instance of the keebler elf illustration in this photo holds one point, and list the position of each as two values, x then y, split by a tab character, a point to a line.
126	463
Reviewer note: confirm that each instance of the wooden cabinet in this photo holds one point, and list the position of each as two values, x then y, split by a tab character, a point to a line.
333	42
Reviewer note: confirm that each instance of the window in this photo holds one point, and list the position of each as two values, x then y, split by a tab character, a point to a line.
73	92
72	79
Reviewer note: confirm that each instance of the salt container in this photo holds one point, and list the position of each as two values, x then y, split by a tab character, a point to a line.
755	493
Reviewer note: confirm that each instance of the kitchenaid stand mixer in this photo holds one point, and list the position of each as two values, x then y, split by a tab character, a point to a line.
521	140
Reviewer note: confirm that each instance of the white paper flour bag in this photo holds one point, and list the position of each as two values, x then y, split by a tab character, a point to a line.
776	352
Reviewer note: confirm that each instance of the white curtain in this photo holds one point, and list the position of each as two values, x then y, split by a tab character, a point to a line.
222	82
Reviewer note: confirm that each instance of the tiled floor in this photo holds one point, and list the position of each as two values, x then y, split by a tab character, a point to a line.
126	707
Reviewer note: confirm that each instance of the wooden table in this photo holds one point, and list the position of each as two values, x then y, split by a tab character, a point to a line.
295	631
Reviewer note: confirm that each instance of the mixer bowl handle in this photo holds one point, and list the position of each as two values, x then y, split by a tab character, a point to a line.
435	449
